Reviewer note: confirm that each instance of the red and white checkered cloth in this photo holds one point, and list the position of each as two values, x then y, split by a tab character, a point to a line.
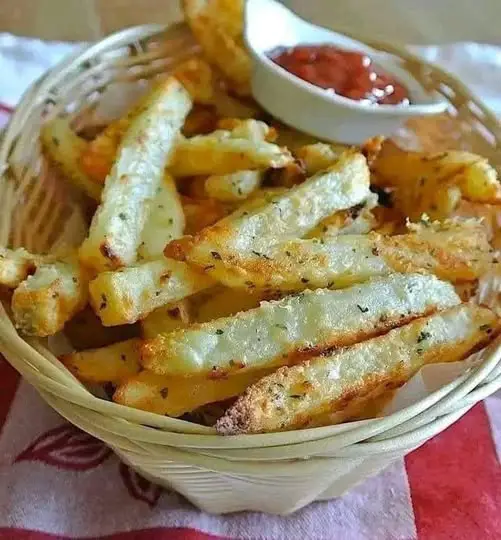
57	482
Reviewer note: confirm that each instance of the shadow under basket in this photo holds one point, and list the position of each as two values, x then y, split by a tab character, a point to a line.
276	473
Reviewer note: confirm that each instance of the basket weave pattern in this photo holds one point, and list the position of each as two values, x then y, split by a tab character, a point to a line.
278	472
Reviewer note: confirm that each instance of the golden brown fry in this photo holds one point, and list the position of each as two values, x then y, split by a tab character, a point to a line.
372	148
295	397
466	291
175	396
222	152
296	327
98	156
115	231
201	213
233	187
201	120
319	156
232	107
16	265
490	215
455	251
211	102
166	319
114	363
223	302
193	187
204	84
128	295
197	77
292	138
229	15
217	28
165	221
292	174
250	129
246	236
359	219
65	148
45	301
372	406
435	183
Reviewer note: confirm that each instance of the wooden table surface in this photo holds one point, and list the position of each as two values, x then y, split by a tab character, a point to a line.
409	21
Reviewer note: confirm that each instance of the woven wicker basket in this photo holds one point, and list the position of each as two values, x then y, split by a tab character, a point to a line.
276	473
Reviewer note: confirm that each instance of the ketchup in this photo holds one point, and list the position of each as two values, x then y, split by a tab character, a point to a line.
348	73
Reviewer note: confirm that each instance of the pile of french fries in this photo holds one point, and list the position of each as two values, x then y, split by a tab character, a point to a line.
232	266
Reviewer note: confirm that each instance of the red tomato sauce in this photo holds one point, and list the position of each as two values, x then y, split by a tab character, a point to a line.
348	73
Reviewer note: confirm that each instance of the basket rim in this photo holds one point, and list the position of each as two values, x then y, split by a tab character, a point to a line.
379	431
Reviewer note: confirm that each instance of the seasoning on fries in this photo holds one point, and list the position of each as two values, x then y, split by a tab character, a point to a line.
246	274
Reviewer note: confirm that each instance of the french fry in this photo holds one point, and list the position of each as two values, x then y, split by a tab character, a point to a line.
356	220
165	221
233	187
16	265
374	408
222	302
205	88
115	232
435	183
175	396
200	121
466	291
200	294
319	156
193	187
292	138
490	215
64	147
45	301
250	129
166	319
222	153
371	148
96	159
197	76
201	213
261	197
212	102
221	45
245	237
292	174
454	251
130	294
295	397
232	107
296	327
112	364
229	15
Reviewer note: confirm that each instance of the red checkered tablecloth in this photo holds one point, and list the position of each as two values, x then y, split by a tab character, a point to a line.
57	482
